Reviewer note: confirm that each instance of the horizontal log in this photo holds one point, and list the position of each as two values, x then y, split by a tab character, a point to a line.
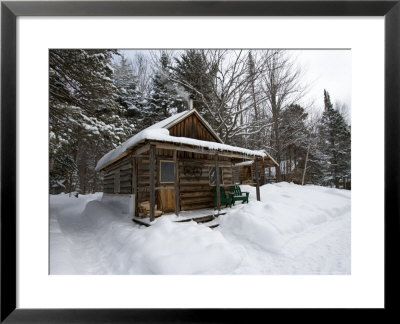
202	162
123	163
183	179
144	174
125	178
193	182
115	162
189	188
143	177
146	188
184	195
125	185
197	206
195	200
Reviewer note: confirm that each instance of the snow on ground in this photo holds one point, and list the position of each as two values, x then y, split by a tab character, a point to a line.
293	230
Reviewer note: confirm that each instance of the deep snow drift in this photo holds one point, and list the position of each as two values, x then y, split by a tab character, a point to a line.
293	230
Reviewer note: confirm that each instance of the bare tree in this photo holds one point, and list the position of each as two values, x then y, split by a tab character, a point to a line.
282	88
141	66
232	94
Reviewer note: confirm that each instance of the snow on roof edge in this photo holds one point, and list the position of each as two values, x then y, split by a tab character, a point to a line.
244	163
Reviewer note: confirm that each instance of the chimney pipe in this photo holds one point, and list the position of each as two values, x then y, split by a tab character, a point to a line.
190	103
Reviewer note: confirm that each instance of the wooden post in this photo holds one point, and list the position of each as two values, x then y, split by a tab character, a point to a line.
176	183
217	187
257	180
152	181
134	185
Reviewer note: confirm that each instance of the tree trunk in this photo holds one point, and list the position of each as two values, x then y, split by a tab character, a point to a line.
305	163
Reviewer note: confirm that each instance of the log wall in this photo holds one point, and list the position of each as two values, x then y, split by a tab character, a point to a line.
125	168
194	182
192	127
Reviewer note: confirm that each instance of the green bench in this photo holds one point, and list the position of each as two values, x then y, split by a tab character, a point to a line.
224	198
237	194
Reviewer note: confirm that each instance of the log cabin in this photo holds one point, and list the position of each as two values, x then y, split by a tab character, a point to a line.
174	165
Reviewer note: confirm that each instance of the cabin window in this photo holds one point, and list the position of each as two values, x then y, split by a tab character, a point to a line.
213	176
167	171
116	181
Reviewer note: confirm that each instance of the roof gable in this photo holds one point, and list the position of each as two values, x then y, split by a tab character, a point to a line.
193	125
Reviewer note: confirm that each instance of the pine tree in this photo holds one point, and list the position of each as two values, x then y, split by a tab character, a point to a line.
164	99
295	138
83	114
335	144
195	74
129	99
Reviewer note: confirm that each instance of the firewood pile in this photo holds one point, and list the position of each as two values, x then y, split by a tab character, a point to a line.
144	210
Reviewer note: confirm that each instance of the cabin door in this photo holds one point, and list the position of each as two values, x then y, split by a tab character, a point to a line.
167	195
167	200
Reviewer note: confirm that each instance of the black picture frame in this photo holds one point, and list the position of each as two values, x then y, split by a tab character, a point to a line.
11	10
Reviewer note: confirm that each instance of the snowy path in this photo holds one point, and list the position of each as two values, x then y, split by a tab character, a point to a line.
297	230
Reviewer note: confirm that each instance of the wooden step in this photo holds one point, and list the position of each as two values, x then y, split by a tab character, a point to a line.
212	224
140	222
201	219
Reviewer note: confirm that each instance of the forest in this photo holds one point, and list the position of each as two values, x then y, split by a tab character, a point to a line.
255	99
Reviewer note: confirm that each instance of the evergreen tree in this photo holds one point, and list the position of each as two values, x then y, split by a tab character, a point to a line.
129	99
164	99
335	144
295	138
83	114
195	74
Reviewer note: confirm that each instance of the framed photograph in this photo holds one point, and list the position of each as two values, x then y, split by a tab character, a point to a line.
153	144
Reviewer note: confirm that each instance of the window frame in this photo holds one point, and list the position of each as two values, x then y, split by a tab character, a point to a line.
160	172
209	178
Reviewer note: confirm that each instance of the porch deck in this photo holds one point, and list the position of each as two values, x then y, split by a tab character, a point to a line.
206	216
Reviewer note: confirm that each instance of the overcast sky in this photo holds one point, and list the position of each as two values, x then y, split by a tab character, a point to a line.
326	69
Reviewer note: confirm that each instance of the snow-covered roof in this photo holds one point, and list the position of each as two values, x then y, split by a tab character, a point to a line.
159	132
244	163
252	161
